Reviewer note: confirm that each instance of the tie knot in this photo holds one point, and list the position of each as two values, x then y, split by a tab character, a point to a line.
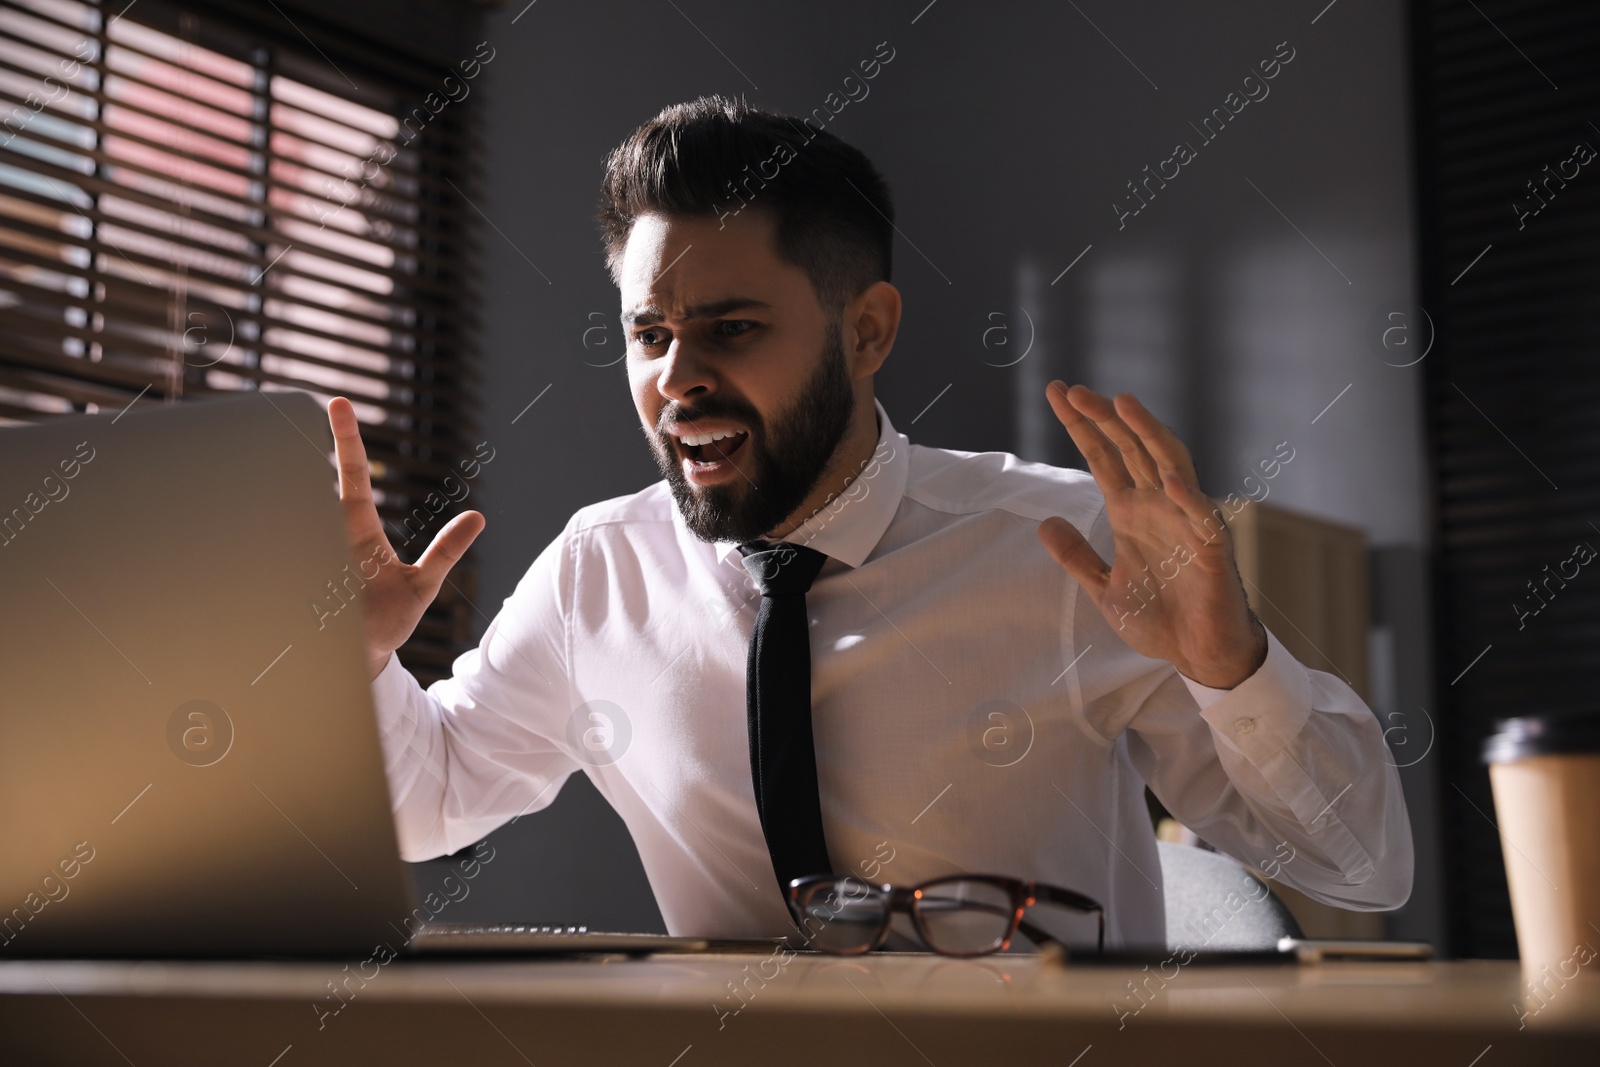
782	568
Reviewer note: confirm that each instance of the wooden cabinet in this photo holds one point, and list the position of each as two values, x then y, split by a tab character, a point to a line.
1307	581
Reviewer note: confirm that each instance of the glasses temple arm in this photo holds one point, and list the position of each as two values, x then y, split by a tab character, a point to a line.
1041	937
1067	898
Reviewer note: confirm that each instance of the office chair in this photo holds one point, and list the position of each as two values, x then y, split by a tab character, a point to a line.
1214	902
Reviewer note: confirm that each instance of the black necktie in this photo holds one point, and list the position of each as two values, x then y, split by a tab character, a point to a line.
783	758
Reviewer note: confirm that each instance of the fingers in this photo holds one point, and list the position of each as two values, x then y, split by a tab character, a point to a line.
1161	443
1106	419
1105	462
1075	555
355	476
1145	447
447	549
1200	509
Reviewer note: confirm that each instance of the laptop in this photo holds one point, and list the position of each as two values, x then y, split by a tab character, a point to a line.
189	759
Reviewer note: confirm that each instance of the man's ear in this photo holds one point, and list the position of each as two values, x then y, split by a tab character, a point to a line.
870	323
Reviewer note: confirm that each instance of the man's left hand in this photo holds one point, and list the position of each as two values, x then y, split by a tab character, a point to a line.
1172	591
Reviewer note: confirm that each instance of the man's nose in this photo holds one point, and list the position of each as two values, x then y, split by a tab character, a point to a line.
685	374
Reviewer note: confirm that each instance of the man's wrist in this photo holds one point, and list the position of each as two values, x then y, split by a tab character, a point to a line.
1236	671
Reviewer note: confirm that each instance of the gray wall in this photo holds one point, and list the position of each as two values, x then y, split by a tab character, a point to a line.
1238	302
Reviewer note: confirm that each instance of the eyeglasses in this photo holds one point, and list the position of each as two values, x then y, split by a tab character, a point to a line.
957	915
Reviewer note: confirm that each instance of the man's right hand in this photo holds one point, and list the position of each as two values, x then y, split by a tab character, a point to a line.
399	593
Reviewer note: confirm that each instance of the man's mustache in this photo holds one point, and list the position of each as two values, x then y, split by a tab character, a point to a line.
719	409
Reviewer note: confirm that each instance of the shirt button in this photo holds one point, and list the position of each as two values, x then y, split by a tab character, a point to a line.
1243	726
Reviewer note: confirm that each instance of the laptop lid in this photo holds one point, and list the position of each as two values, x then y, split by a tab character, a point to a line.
189	760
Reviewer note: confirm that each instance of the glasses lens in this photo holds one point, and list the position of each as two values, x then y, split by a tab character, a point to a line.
964	917
842	916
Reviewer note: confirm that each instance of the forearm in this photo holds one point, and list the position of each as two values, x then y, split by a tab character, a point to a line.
409	726
446	787
1302	786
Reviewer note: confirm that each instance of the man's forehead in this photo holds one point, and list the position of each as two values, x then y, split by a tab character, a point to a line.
687	268
657	243
653	311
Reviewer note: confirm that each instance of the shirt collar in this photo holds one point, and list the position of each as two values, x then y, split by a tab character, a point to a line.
850	525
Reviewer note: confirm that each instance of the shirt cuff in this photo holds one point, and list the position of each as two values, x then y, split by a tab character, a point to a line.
391	703
1263	713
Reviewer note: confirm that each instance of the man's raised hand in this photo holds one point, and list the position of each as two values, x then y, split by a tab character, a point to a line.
399	593
1172	590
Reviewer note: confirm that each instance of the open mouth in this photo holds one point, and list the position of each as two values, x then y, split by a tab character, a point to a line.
709	453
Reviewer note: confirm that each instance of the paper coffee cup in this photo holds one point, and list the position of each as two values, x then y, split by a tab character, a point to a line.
1545	772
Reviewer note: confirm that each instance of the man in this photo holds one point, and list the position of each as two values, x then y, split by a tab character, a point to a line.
987	693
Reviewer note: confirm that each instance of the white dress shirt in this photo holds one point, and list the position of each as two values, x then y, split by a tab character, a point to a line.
972	711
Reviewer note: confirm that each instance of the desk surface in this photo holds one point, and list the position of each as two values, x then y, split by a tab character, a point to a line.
683	1011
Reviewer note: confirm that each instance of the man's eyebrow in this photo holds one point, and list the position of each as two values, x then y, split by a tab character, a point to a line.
650	314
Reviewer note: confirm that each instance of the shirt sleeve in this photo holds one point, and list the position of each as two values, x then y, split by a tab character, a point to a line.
486	745
1287	772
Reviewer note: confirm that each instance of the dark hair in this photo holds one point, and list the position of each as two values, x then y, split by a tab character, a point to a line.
713	156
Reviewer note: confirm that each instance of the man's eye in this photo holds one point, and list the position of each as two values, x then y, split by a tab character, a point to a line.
649	338
734	327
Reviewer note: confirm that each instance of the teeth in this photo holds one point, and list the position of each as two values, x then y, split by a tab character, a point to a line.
706	438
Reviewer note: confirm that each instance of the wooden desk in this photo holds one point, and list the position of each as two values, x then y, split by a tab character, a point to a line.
664	1012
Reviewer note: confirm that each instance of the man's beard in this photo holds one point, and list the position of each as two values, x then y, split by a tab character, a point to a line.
788	461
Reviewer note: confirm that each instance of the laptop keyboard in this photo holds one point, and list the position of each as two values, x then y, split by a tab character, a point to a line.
485	930
540	939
